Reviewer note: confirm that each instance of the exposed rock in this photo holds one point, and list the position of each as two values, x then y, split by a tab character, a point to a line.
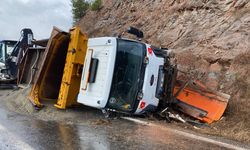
211	38
216	67
201	32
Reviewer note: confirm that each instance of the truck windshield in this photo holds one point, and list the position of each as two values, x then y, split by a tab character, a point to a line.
127	75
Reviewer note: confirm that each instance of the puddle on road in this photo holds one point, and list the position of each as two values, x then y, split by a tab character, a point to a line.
55	135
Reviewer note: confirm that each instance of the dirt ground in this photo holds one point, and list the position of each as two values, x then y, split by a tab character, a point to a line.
17	101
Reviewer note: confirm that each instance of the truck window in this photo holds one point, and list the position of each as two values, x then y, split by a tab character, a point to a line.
6	48
9	48
127	74
1	53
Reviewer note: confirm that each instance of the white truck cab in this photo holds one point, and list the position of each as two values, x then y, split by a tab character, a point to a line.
122	75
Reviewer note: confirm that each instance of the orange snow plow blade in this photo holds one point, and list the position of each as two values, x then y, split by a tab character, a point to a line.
196	100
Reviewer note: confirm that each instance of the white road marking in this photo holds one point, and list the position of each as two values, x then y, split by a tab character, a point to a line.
186	134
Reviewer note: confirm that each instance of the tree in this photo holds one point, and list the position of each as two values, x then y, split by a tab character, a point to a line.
96	5
79	8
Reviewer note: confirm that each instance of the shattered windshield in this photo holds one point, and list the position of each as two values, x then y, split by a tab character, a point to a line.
127	73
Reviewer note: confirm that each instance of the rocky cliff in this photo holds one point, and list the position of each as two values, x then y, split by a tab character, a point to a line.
211	39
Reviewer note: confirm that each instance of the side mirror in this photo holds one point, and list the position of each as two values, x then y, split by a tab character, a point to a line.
138	33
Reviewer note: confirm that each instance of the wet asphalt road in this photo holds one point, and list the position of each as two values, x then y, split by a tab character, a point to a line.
22	132
25	133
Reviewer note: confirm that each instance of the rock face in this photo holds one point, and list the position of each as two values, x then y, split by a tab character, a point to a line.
205	34
211	38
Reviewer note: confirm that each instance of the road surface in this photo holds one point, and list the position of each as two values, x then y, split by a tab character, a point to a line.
28	133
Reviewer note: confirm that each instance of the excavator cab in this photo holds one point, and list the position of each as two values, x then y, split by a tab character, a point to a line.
11	54
6	48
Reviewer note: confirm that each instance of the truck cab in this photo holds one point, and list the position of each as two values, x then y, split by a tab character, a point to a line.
121	75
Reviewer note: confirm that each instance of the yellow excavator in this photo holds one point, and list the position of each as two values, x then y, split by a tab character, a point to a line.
118	74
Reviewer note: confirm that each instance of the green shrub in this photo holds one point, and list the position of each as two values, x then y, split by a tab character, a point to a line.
79	8
96	5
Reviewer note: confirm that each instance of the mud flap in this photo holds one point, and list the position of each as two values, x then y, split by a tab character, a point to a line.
200	102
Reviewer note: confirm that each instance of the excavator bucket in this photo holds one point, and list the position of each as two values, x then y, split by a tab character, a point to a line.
198	101
58	78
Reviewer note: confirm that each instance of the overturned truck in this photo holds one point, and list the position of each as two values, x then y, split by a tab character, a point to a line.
118	74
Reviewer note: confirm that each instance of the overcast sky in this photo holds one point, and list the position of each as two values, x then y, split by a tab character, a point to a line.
39	15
